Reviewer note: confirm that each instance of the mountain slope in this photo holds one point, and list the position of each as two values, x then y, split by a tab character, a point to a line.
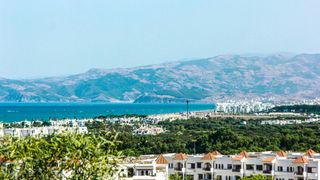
222	77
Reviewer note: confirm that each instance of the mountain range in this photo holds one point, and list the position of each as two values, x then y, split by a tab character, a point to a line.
274	77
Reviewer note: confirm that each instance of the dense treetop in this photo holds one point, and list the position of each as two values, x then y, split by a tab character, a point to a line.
227	136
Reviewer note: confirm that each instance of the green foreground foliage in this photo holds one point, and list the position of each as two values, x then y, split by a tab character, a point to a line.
69	156
180	177
257	177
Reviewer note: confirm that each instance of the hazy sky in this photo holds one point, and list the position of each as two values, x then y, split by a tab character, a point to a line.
43	38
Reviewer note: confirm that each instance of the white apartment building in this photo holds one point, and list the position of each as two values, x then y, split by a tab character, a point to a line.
56	127
213	165
146	167
40	131
236	107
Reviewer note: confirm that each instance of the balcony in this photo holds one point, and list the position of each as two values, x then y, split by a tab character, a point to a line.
178	168
283	173
300	173
313	175
267	171
236	170
206	169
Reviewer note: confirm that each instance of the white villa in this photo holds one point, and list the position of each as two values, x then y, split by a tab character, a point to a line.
279	165
148	130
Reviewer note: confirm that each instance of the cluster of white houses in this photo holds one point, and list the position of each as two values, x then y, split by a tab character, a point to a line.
148	130
42	131
278	165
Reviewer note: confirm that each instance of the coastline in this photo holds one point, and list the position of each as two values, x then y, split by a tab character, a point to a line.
16	112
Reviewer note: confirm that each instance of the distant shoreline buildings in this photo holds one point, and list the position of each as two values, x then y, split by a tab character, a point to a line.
243	107
56	127
147	124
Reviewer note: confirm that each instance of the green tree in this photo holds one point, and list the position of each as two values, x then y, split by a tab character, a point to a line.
175	177
257	177
71	156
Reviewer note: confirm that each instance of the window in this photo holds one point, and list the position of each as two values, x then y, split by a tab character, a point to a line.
207	166
311	169
249	167
259	167
222	166
179	166
236	168
170	165
280	168
229	166
200	176
193	165
290	169
198	164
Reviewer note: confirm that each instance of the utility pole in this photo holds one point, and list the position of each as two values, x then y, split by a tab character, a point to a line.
187	101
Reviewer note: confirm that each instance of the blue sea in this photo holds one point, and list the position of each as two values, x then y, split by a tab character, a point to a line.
12	112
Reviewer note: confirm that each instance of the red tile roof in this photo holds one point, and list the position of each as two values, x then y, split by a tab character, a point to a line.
244	153
310	153
180	157
268	159
209	156
238	158
161	160
301	160
216	153
282	154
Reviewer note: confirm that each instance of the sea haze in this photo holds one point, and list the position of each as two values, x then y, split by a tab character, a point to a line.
11	112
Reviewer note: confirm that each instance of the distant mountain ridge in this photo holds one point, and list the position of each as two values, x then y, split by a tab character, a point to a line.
276	76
